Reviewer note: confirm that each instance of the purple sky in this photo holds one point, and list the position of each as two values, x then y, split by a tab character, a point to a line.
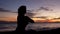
48	8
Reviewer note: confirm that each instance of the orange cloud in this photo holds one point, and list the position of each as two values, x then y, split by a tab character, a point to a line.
45	20
8	19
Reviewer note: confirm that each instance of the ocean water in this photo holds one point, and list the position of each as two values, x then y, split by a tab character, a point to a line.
7	26
42	26
33	26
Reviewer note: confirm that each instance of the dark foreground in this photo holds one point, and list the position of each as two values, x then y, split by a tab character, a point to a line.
32	31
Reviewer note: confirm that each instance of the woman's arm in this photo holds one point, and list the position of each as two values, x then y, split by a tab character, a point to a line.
30	20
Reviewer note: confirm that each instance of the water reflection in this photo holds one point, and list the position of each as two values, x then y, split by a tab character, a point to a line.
34	26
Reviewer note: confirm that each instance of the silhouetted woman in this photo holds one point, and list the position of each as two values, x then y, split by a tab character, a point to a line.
22	20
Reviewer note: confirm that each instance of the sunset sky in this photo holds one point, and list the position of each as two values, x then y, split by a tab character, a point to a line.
38	9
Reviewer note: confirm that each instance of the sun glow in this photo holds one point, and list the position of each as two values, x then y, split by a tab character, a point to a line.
49	19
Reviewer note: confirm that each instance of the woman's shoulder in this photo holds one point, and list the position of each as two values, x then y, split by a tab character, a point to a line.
27	17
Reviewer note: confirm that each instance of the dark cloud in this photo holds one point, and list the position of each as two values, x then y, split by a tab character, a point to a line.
45	8
30	14
57	18
41	17
3	10
30	11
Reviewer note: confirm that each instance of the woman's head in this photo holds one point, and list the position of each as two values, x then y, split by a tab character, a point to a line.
22	10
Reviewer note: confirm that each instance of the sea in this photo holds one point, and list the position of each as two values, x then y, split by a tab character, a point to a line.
33	26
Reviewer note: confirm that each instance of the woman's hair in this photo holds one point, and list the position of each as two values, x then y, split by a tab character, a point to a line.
22	9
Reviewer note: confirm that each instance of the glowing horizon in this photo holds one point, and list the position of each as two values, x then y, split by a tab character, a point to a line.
35	19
